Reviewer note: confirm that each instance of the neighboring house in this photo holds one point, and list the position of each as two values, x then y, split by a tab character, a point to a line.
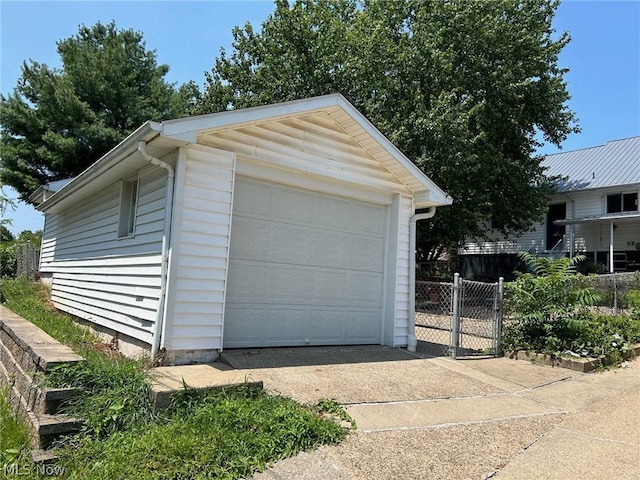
594	213
281	225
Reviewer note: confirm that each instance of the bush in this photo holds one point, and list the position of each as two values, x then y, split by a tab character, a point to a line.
8	263
548	312
550	293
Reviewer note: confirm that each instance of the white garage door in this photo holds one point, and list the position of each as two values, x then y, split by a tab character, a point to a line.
305	268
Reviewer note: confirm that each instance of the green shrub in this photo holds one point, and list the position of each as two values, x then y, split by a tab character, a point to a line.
548	312
632	299
549	294
8	262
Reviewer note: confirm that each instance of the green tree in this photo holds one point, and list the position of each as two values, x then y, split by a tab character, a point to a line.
464	89
6	235
59	121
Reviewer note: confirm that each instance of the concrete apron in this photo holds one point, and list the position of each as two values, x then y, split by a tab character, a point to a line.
438	418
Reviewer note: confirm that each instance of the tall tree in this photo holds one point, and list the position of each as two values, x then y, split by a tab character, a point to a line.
59	121
465	89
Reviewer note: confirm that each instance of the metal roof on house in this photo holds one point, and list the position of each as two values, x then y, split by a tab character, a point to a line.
613	164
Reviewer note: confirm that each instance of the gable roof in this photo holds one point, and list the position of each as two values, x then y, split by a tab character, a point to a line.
616	163
162	137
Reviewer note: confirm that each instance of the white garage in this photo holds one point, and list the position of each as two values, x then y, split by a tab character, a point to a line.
304	269
281	225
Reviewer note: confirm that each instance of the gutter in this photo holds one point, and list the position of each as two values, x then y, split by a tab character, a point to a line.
412	341
108	161
159	326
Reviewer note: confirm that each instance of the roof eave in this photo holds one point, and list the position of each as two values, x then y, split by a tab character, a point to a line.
110	158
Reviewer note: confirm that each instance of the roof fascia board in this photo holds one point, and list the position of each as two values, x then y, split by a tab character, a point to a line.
109	159
601	218
188	128
435	195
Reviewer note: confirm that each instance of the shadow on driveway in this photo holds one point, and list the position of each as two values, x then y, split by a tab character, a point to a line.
281	357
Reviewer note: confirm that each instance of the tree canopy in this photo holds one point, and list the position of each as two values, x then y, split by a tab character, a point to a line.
466	90
59	121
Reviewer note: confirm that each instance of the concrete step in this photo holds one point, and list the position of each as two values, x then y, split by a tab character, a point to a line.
169	380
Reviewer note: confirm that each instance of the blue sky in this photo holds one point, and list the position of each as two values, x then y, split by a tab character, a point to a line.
603	56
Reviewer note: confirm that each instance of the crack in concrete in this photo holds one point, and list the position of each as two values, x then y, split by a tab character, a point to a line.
593	437
454	424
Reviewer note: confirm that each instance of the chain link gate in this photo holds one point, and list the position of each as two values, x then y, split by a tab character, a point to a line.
459	318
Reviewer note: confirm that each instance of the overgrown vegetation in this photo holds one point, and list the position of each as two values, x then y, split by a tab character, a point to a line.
549	311
204	434
13	433
8	245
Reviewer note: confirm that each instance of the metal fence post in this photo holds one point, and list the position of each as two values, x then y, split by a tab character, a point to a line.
497	334
455	317
615	295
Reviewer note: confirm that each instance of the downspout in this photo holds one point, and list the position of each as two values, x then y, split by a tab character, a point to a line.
165	255
412	341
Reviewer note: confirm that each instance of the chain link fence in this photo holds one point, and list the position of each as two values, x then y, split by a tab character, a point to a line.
615	291
434	307
459	318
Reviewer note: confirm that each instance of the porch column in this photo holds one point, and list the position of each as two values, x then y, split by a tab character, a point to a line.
611	247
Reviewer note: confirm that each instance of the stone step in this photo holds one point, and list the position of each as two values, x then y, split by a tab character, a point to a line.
32	348
27	354
45	428
38	397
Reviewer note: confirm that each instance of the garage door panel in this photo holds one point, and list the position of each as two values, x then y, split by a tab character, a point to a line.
289	244
365	289
241	325
248	239
332	249
330	287
366	254
291	206
331	213
247	282
368	219
288	284
304	269
251	199
363	326
328	326
285	326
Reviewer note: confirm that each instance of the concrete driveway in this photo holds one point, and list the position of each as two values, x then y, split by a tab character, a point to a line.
435	418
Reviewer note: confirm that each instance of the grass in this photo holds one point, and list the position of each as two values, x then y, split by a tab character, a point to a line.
13	432
211	434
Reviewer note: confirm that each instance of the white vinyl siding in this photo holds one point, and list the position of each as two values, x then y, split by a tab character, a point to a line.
588	237
201	236
305	268
401	324
97	276
314	145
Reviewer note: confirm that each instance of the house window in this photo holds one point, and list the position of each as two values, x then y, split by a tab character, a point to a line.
622	202
128	204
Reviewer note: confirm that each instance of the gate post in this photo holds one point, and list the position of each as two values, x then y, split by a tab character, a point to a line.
455	317
497	331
